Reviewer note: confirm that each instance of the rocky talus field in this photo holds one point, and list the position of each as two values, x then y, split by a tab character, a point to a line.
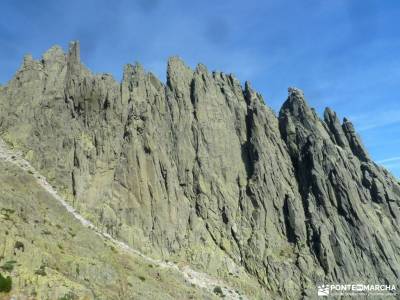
189	189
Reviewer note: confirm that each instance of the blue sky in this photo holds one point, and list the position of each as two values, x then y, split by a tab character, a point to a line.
343	53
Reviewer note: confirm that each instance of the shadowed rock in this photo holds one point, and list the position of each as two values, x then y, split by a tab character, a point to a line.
354	140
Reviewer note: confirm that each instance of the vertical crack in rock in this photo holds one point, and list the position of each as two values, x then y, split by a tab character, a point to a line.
250	155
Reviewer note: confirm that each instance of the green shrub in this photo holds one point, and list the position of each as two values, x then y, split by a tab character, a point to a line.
8	265
8	211
41	271
218	290
5	284
19	246
68	296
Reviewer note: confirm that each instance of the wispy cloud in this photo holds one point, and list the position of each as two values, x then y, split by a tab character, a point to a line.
375	119
392	164
389	160
394	167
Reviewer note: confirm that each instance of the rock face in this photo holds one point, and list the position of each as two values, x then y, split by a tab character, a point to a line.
48	255
201	171
351	205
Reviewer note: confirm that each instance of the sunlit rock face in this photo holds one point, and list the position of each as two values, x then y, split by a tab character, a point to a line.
201	171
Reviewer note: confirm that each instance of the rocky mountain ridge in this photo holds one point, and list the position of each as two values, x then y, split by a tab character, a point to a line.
200	170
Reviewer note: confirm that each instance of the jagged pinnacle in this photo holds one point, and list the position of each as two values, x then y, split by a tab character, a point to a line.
74	53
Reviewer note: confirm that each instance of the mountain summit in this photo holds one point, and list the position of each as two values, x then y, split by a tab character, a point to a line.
200	171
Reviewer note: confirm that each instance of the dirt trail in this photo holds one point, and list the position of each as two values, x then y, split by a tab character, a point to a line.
196	278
